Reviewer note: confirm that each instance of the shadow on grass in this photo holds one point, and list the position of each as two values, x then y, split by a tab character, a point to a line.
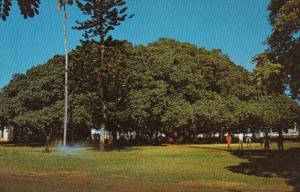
207	148
33	145
124	148
284	164
115	149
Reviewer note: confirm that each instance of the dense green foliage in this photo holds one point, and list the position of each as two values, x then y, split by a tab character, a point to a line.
166	87
284	42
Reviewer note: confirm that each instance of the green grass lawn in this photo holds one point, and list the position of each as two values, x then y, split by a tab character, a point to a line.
209	165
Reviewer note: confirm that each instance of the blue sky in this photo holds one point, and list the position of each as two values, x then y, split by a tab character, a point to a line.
238	27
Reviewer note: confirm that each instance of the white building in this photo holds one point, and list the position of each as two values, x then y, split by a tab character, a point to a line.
6	134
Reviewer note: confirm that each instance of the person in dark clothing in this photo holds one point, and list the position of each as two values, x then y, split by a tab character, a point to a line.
280	141
267	142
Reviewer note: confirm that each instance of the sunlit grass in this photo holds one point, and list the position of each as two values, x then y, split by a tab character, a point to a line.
173	163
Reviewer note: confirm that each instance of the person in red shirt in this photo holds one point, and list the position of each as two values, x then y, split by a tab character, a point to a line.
229	140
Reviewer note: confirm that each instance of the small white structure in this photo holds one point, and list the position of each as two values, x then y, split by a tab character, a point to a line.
6	134
96	132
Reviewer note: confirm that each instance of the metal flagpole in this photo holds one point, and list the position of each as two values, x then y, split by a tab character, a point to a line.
66	77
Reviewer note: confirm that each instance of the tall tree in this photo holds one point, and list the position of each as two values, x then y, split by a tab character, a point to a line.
284	42
105	15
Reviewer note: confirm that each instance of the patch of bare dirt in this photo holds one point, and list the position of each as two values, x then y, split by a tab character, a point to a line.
81	182
58	173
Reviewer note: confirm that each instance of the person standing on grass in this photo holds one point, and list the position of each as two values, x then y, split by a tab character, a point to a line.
267	142
280	141
241	140
229	140
248	139
261	138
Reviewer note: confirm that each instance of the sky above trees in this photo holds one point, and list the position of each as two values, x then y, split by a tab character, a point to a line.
237	27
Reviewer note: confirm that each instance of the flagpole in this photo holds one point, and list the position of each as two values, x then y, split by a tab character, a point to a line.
66	78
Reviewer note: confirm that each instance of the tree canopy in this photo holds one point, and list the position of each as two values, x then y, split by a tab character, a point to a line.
166	87
284	41
105	15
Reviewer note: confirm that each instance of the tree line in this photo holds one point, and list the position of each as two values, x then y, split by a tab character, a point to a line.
168	87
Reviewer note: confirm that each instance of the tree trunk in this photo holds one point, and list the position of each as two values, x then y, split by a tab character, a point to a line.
103	124
47	149
222	135
114	135
156	138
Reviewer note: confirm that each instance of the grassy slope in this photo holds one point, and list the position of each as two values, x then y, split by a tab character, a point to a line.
211	165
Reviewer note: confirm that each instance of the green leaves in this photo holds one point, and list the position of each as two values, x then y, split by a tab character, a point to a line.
269	77
284	42
168	87
4	8
34	126
105	15
28	8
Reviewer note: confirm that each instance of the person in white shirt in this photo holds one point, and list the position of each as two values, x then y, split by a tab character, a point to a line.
261	138
248	139
241	140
